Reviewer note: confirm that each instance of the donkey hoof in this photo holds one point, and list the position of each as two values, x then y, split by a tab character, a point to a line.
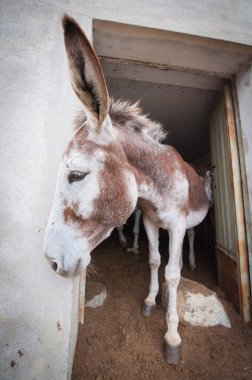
148	310
135	251
173	354
136	255
193	269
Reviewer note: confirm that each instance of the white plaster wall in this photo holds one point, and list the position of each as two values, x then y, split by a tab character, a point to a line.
229	20
38	309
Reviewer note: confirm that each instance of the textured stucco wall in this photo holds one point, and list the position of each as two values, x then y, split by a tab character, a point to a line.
38	309
222	19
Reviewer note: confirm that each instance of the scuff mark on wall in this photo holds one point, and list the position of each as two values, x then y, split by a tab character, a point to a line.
59	328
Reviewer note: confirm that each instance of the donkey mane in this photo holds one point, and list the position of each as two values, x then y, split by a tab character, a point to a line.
130	116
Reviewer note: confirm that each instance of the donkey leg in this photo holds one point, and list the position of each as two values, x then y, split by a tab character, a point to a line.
191	235
154	259
136	230
122	237
172	277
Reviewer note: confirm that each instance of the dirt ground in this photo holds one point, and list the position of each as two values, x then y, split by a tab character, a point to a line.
117	342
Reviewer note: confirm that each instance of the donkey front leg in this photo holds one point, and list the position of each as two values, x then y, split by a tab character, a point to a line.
154	259
172	277
191	235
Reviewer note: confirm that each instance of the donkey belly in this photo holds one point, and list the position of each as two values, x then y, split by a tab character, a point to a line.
195	217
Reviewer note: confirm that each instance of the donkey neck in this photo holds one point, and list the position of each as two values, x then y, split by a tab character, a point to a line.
153	163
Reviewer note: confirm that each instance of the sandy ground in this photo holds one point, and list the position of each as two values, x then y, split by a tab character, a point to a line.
117	342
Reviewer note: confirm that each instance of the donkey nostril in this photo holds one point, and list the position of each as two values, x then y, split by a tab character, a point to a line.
54	266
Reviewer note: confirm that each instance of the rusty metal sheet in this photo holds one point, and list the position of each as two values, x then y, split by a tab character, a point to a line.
228	201
223	195
239	210
228	277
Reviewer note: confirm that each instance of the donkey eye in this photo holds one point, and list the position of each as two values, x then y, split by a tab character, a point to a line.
76	176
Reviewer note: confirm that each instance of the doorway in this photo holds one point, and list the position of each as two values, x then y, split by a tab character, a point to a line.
178	79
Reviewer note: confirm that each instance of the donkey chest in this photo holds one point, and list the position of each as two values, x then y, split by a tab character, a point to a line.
160	216
163	206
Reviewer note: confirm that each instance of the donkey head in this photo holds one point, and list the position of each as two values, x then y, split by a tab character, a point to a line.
96	189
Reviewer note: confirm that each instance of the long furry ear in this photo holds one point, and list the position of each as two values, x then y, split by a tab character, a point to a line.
86	74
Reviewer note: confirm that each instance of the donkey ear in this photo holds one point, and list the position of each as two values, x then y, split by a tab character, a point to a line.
86	74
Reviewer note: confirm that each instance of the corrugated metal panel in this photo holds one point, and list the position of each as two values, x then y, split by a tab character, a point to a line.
238	204
227	193
226	236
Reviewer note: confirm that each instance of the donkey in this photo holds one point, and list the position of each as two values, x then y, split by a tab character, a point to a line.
136	231
207	180
159	136
111	162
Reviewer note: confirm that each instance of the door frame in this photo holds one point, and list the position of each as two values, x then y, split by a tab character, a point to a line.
201	47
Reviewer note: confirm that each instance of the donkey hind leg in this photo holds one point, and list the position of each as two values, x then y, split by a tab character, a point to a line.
154	259
172	278
122	237
191	235
136	230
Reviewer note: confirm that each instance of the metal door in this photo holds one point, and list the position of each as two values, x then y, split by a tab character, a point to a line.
231	247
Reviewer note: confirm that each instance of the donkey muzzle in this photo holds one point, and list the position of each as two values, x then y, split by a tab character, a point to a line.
58	266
